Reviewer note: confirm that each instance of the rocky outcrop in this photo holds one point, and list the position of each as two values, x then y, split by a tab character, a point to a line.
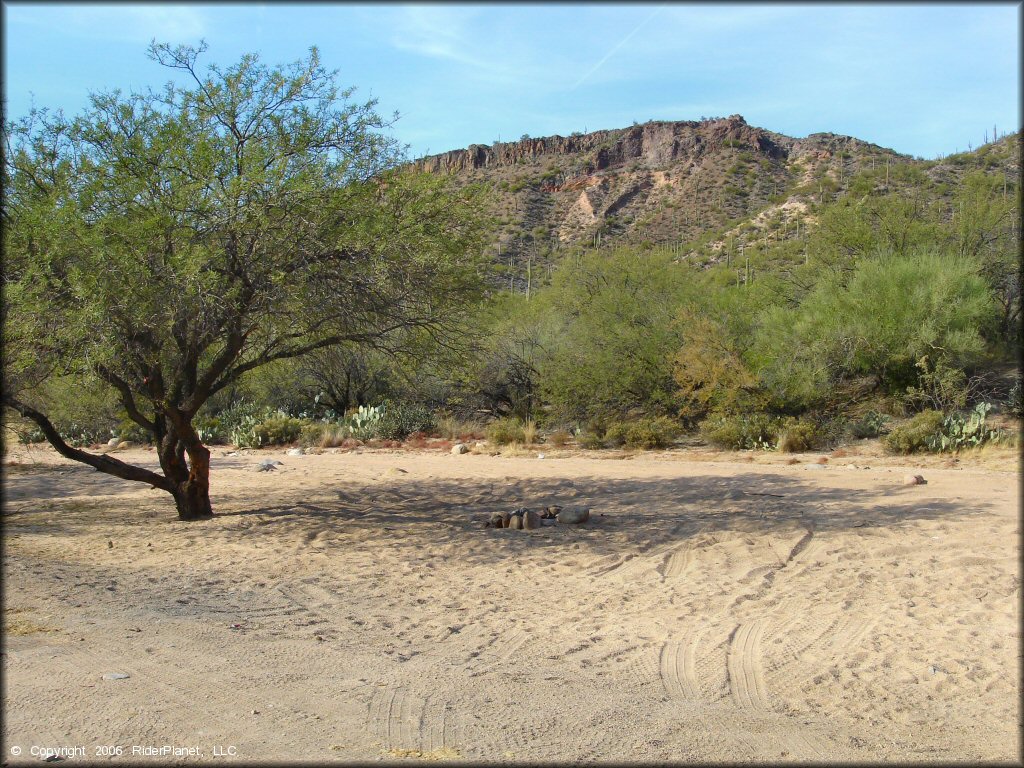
655	145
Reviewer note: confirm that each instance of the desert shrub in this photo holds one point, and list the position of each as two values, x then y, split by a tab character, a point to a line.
871	424
914	435
364	423
757	430
504	431
559	438
81	435
400	420
1015	399
312	433
278	429
645	432
530	432
964	430
590	441
615	434
798	437
129	430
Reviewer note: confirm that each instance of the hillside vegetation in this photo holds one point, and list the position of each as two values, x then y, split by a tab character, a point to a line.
706	278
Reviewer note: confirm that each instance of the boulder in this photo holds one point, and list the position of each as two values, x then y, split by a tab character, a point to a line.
574	515
459	448
505	517
496	521
914	480
515	522
296	451
113	442
551	512
531	520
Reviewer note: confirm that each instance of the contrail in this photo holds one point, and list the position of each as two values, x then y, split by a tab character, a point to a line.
621	43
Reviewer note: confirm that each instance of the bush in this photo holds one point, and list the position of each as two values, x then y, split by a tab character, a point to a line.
590	441
279	429
400	420
758	430
871	424
798	437
914	435
961	430
559	438
504	431
643	433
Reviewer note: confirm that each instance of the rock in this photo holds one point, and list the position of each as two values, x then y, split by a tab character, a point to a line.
551	511
914	480
496	521
125	444
296	451
460	448
116	676
267	465
515	522
815	466
505	518
548	521
531	520
113	442
574	515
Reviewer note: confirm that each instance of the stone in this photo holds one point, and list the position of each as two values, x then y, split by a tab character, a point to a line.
267	465
515	522
116	676
505	517
551	511
496	521
125	444
914	480
531	520
113	442
460	448
574	515
548	521
296	451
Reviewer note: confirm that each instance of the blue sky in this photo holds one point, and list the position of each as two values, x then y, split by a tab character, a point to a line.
924	79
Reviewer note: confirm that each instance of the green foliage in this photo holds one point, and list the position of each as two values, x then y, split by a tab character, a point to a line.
610	333
890	312
505	431
589	441
964	430
643	433
400	420
278	429
743	432
365	422
798	437
915	435
869	425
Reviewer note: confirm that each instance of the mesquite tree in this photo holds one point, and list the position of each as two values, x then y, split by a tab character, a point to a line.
168	242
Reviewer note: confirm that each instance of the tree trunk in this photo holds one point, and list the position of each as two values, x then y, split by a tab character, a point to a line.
190	481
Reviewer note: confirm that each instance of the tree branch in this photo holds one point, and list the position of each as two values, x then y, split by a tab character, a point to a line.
104	464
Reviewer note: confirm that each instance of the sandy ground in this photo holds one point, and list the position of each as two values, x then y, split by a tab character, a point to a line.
352	607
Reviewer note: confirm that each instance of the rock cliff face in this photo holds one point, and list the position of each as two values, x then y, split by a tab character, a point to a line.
655	144
660	182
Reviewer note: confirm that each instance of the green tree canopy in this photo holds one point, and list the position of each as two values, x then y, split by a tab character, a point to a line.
171	241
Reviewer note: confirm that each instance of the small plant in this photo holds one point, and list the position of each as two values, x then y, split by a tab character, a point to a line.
871	424
559	438
278	429
798	437
399	420
643	433
364	423
530	432
505	431
961	430
589	441
914	435
758	431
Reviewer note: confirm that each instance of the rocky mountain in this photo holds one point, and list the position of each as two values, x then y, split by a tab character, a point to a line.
663	183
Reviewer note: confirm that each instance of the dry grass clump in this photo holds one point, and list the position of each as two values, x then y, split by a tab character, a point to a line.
460	430
559	438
